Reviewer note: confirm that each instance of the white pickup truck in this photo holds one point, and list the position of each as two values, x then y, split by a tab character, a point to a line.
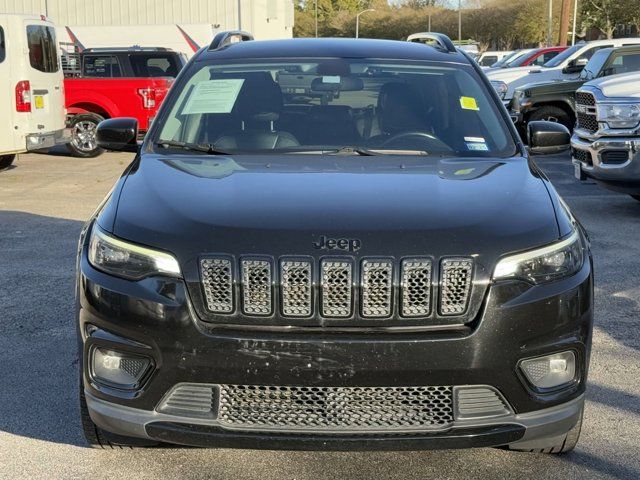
606	141
565	66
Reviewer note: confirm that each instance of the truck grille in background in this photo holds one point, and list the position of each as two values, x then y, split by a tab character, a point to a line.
337	283
586	120
256	287
336	277
582	156
296	288
455	285
377	286
331	409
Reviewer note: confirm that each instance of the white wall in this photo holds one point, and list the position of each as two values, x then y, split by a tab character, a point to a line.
266	19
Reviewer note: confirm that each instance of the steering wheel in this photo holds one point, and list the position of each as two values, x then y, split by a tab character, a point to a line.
403	135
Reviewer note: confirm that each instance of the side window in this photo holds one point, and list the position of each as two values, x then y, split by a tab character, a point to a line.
624	64
43	48
589	53
3	49
155	65
548	56
488	60
102	66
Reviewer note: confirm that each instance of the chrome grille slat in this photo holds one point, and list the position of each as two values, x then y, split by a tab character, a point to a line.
455	285
337	291
296	286
217	280
256	287
335	409
416	288
377	287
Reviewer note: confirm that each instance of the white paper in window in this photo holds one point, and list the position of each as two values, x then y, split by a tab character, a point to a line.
214	96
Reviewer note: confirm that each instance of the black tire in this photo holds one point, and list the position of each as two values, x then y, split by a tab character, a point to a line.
6	161
636	197
83	135
568	443
550	113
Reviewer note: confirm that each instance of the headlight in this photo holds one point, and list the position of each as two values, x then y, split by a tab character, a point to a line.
128	260
619	115
500	87
546	264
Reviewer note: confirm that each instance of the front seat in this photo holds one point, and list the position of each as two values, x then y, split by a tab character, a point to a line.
257	108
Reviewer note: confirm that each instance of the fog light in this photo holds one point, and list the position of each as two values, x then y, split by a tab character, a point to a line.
119	369
551	370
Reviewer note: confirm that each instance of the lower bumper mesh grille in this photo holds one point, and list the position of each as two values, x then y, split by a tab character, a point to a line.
336	409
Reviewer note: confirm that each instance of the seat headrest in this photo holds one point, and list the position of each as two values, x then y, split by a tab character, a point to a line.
401	109
260	98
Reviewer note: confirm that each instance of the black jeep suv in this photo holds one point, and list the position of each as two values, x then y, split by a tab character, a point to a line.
377	265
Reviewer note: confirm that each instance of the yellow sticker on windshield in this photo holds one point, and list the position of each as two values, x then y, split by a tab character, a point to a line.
469	103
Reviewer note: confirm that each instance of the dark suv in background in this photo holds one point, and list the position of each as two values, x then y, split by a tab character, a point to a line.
375	265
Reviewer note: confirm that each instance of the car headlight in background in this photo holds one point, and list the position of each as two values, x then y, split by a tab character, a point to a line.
500	87
619	115
128	260
559	260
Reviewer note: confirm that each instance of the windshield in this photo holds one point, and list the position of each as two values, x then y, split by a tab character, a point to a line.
557	60
520	59
596	63
507	58
325	105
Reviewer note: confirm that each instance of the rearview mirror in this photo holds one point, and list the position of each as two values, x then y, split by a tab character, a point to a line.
546	138
576	65
118	134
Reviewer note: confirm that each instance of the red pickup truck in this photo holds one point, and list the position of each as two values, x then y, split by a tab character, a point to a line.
114	82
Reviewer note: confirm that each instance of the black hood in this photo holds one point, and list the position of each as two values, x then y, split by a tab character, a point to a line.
274	205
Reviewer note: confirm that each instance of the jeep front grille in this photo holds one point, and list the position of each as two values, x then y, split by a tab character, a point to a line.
217	279
296	288
335	409
455	285
377	286
416	288
256	287
336	288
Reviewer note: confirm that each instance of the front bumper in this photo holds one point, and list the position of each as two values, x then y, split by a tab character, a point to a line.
39	141
591	157
154	317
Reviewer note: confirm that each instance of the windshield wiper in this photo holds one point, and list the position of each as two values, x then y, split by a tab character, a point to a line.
194	147
351	150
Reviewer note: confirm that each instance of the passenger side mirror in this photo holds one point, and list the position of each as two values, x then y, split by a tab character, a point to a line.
576	65
118	134
546	138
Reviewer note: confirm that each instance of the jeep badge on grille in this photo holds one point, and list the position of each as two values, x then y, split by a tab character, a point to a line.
347	244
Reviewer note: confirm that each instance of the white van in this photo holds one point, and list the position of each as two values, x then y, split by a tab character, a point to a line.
32	113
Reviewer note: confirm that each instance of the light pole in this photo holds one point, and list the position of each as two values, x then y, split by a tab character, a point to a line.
316	18
575	16
358	19
550	27
460	22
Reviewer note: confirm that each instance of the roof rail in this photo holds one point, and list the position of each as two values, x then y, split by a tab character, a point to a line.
232	36
442	42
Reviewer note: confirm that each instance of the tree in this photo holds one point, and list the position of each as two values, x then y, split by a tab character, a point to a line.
604	14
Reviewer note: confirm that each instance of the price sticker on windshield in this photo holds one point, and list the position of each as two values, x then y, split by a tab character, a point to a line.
469	103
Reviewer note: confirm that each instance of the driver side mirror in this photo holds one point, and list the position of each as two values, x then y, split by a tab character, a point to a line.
546	138
576	65
118	134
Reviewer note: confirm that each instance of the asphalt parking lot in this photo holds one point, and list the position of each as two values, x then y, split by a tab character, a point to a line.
44	200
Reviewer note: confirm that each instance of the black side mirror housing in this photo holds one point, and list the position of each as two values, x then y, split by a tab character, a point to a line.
118	134
546	138
575	66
